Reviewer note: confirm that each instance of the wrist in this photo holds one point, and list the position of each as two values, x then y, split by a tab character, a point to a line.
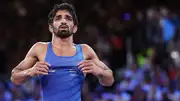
101	71
28	73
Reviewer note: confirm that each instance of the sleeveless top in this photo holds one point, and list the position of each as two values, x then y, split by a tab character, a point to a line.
65	83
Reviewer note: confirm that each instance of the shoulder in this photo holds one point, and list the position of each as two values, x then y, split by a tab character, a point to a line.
39	45
86	47
38	48
88	51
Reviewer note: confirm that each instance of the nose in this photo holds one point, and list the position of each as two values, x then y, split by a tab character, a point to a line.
63	22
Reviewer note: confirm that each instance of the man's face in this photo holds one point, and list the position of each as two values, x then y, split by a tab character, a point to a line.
63	25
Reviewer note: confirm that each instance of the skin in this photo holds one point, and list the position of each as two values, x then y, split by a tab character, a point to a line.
34	62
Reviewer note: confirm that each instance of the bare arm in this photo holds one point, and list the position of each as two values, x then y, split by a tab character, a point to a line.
23	71
100	70
106	76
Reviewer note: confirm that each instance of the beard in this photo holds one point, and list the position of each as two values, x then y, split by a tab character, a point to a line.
63	33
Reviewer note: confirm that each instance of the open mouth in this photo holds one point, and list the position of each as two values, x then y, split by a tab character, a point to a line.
63	26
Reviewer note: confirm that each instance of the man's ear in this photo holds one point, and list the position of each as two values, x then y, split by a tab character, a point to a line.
75	29
50	28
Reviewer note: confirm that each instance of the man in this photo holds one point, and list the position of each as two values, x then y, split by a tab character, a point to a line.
60	64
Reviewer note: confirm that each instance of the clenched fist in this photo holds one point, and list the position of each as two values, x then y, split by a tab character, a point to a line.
40	68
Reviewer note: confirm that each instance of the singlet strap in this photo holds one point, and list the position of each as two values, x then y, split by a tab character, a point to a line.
79	50
48	52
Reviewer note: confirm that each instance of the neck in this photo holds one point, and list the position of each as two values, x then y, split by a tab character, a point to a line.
65	42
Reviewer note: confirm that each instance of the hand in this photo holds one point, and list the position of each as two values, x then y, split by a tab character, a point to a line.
40	68
89	66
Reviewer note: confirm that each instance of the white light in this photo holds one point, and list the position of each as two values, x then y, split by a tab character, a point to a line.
175	54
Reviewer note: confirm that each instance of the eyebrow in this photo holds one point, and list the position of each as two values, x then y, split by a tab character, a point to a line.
57	16
67	15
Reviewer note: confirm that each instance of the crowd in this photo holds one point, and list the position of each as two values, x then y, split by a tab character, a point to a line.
135	44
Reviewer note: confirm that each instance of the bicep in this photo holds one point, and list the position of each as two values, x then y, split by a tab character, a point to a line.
29	60
91	55
26	63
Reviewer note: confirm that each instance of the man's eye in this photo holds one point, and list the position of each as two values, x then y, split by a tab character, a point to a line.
70	19
57	18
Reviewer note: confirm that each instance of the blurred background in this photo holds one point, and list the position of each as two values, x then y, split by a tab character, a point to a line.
137	39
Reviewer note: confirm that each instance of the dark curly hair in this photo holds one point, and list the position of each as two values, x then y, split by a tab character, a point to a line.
64	6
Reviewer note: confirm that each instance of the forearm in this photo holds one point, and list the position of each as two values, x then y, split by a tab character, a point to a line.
106	77
18	77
